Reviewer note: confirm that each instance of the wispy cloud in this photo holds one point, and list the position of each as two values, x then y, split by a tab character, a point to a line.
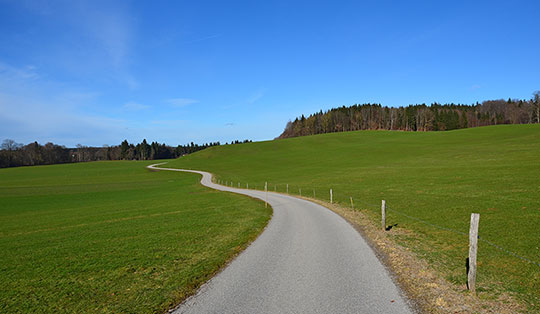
250	100
108	24
100	32
36	109
255	96
11	73
202	39
475	86
41	120
170	122
134	106
181	102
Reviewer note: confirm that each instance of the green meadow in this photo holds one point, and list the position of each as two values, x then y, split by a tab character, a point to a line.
113	237
432	182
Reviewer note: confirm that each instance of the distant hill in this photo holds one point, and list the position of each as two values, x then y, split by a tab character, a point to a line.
419	117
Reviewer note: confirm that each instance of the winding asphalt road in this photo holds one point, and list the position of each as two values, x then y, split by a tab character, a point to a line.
307	260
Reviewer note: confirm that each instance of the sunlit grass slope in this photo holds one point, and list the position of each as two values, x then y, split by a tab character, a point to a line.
113	237
439	177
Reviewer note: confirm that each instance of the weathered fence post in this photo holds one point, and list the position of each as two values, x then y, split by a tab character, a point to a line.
266	194
314	193
300	191
352	204
473	246
287	188
383	215
238	184
331	197
247	185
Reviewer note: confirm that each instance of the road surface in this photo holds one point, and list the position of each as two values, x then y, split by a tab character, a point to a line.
307	260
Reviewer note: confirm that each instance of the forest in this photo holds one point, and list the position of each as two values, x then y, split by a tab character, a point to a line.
14	154
419	117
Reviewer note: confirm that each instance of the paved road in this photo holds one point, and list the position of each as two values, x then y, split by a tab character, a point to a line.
307	260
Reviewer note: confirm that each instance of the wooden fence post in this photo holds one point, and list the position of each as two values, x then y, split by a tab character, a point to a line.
247	185
383	214
314	193
352	204
300	191
266	194
287	188
473	246
331	197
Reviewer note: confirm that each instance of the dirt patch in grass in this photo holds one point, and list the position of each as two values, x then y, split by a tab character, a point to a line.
424	285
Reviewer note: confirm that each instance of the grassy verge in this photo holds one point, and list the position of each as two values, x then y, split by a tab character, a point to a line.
431	181
427	286
114	237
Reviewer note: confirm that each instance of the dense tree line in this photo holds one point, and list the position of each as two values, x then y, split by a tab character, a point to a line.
13	154
419	117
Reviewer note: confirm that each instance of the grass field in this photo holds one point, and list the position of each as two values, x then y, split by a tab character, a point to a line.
438	177
113	237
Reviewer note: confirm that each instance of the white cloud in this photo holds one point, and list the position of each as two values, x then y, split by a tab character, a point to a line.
181	102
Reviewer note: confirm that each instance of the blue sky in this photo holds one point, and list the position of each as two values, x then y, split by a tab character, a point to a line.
99	72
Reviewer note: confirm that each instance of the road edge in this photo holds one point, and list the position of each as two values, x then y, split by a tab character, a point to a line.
200	288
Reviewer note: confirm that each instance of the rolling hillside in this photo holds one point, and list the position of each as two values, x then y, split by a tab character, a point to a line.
113	237
431	181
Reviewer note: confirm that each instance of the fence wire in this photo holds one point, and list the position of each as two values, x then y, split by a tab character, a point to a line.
500	248
465	234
